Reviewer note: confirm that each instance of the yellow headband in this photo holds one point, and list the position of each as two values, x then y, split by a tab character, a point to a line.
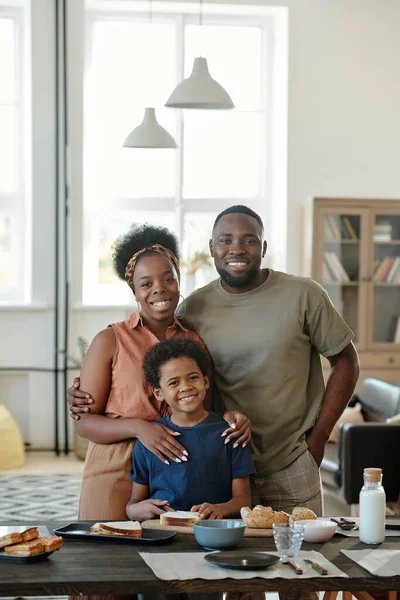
130	267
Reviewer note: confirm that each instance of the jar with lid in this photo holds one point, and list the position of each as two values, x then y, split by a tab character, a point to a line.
372	507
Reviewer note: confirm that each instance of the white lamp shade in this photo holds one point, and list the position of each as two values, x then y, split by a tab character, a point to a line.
200	90
149	134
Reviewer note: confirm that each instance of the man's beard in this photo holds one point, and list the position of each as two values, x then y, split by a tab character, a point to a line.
239	282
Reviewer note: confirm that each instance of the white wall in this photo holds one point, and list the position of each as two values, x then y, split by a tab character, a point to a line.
343	139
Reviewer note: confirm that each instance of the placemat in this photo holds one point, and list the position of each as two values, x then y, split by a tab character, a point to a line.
385	563
191	565
355	533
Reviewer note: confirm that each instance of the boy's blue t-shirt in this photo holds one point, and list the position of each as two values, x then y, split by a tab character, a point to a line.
205	477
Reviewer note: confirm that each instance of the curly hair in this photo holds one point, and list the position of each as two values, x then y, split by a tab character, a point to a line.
161	353
138	237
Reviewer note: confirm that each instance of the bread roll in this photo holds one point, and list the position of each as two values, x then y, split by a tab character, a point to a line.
262	517
302	514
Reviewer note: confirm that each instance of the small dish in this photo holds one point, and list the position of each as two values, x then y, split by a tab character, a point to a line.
221	533
318	530
242	560
13	558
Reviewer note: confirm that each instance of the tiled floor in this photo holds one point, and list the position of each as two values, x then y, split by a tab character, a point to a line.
46	462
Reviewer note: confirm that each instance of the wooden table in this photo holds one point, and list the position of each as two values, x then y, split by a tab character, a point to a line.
82	567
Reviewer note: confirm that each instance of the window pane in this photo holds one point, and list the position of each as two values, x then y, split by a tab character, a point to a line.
222	154
8	141
7	61
234	59
197	265
133	65
6	252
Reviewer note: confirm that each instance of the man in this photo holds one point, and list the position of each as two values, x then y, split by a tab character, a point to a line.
265	331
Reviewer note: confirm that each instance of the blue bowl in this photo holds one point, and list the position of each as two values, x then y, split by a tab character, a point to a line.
218	534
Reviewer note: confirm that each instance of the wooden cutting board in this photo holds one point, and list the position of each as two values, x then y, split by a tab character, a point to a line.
248	532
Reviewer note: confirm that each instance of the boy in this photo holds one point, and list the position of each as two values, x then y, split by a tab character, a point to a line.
213	480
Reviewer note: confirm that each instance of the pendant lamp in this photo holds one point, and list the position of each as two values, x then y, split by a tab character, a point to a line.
200	90
149	134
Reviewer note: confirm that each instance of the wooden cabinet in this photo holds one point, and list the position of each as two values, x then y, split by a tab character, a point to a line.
356	258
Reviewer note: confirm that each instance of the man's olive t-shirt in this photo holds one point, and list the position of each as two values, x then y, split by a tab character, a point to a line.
266	345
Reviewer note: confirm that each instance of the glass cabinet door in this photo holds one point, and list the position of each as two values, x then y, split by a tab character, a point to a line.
386	279
341	263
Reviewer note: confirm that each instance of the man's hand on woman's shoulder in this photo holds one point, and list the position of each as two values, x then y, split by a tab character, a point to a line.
239	428
78	400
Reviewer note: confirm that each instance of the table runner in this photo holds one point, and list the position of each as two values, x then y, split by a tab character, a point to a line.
191	565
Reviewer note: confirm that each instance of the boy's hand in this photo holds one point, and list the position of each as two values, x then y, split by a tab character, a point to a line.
208	511
146	509
239	430
78	401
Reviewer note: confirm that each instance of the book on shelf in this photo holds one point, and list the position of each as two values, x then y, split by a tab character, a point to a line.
396	337
387	270
393	271
337	228
334	227
350	229
328	232
336	267
388	266
396	275
327	277
382	232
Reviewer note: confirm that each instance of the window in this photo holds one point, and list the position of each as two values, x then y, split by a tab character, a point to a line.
223	157
14	270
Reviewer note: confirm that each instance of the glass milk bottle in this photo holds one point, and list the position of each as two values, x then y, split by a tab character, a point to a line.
372	508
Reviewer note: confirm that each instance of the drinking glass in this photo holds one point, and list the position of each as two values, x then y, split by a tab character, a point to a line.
288	538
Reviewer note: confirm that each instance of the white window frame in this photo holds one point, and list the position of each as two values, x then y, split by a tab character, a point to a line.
18	203
273	23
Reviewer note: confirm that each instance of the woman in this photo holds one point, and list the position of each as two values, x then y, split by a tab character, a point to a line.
123	405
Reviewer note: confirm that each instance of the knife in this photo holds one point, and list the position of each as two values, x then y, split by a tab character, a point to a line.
316	566
295	567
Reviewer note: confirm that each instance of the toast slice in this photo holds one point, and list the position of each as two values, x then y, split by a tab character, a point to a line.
25	549
9	539
121	528
51	542
179	518
30	534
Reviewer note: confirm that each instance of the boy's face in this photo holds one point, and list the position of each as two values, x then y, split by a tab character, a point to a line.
182	385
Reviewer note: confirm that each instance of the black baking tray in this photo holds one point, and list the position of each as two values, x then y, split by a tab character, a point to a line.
81	531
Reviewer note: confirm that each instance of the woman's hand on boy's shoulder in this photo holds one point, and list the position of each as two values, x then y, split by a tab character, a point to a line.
209	511
239	428
146	509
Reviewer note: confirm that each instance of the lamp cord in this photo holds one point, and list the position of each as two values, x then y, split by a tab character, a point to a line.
201	13
150	12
